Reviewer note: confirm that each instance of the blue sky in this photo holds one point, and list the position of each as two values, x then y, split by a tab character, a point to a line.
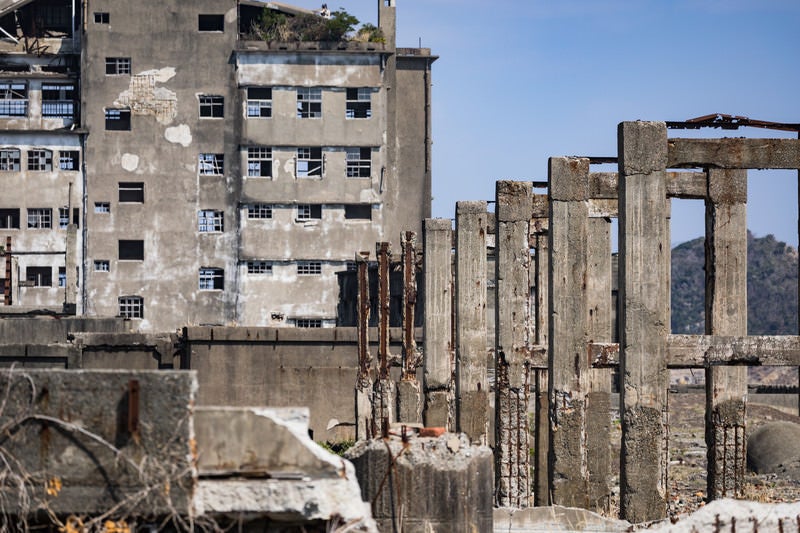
518	81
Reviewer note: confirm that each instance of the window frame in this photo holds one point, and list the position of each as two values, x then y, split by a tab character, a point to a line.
118	66
9	218
259	211
211	106
14	99
258	107
102	208
211	279
358	101
130	192
308	323
40	160
309	268
101	265
308	212
39	218
102	17
42	276
61	107
118	118
63	217
259	162
259	267
8	162
357	166
305	159
131	306
309	102
210	221
69	160
209	164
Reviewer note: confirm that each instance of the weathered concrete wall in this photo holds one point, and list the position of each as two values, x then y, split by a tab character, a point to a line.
426	485
102	439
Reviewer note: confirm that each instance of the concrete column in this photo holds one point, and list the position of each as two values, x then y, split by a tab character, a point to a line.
541	434
472	387
71	269
599	328
726	314
568	361
513	341
384	399
438	352
364	425
409	392
643	312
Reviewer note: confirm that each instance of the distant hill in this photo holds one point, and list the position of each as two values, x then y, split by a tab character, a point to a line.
771	287
771	299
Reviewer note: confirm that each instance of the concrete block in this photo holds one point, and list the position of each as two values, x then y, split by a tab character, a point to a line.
85	442
409	401
642	147
435	484
439	409
569	178
514	202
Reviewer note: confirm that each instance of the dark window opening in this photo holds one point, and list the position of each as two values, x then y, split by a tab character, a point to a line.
308	322
131	250
359	162
131	192
358	212
9	159
40	160
309	211
101	17
118	65
9	218
359	103
212	279
309	162
118	119
211	164
259	102
13	99
68	160
211	106
259	161
62	276
211	22
58	100
63	217
131	307
309	102
309	268
40	218
39	276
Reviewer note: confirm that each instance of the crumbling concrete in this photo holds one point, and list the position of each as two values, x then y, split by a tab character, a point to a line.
554	518
729	516
773	448
423	484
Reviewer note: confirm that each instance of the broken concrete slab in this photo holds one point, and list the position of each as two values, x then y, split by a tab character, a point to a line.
553	518
728	515
426	484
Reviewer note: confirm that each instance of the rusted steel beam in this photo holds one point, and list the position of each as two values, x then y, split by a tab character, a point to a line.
383	252
410	356
730	122
364	358
733	153
701	351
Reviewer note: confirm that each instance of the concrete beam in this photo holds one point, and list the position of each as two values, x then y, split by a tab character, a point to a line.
644	248
726	314
513	340
472	387
569	379
734	153
541	320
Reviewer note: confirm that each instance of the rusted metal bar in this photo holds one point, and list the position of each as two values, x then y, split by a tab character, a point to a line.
7	286
383	252
365	427
410	357
730	122
733	153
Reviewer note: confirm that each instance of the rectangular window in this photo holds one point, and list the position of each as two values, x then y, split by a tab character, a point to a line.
211	22
309	268
358	103
118	65
58	100
209	221
101	17
62	276
308	322
131	192
118	119
212	279
259	161
358	212
359	162
309	211
9	159
69	159
40	218
131	250
40	160
309	162
63	217
13	99
259	211
211	164
211	106
102	265
39	276
9	218
102	207
131	307
309	102
259	102
259	267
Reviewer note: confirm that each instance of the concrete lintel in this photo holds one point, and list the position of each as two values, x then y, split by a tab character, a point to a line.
734	153
682	184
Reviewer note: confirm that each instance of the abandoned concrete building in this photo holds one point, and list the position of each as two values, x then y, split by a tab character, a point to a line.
163	164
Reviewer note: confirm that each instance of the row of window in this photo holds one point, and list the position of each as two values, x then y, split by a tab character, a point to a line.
58	100
311	211
38	160
205	22
42	276
38	218
309	162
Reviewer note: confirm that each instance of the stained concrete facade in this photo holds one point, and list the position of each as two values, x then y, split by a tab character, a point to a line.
223	180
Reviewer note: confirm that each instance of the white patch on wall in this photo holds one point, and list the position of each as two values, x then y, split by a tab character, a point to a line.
179	135
130	162
144	98
288	167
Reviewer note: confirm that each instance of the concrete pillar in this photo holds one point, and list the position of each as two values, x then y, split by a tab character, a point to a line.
438	347
384	399
409	392
363	389
541	433
71	269
726	314
644	246
599	328
568	361
472	387
513	342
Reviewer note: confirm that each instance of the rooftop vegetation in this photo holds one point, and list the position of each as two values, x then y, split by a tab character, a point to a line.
340	27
